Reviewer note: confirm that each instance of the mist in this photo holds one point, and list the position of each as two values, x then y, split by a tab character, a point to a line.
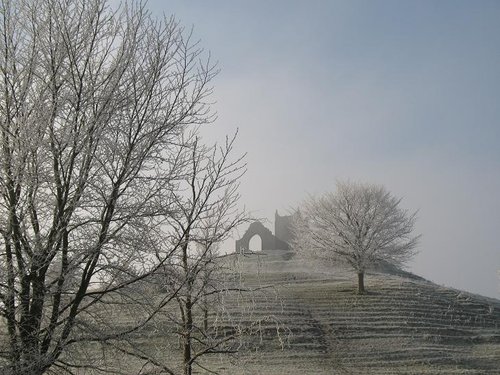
402	94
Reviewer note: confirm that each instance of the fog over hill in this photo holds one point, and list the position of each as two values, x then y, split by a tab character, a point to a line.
397	93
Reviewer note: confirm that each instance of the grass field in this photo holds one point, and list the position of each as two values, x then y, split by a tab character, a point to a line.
403	325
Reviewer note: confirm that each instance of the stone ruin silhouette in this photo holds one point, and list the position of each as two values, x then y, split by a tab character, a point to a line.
280	240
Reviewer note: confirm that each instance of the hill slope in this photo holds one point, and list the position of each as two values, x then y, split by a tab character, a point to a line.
404	325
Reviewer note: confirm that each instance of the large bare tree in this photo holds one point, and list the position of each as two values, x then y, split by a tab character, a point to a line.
206	212
214	314
359	224
94	100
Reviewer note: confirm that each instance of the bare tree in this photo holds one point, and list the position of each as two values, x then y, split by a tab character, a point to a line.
93	104
213	314
207	213
359	224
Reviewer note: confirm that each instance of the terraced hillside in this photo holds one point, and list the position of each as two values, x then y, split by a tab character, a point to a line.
404	325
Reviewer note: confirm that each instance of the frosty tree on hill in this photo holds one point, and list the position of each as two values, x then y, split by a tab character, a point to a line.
359	225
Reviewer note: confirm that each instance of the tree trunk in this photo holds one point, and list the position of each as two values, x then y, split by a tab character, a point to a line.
188	307
205	319
361	283
188	327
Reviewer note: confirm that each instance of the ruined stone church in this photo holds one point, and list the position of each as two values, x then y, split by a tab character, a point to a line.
280	240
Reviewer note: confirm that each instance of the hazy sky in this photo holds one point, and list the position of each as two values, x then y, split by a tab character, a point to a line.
403	93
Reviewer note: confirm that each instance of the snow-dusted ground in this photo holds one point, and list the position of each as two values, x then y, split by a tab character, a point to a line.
404	325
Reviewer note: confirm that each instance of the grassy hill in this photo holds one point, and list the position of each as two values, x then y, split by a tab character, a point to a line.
404	325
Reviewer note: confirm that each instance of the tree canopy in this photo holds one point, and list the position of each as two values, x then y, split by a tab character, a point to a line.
359	225
96	105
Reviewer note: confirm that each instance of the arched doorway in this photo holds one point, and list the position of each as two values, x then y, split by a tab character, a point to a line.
268	240
255	243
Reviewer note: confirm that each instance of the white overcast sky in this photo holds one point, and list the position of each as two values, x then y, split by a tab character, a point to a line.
402	93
